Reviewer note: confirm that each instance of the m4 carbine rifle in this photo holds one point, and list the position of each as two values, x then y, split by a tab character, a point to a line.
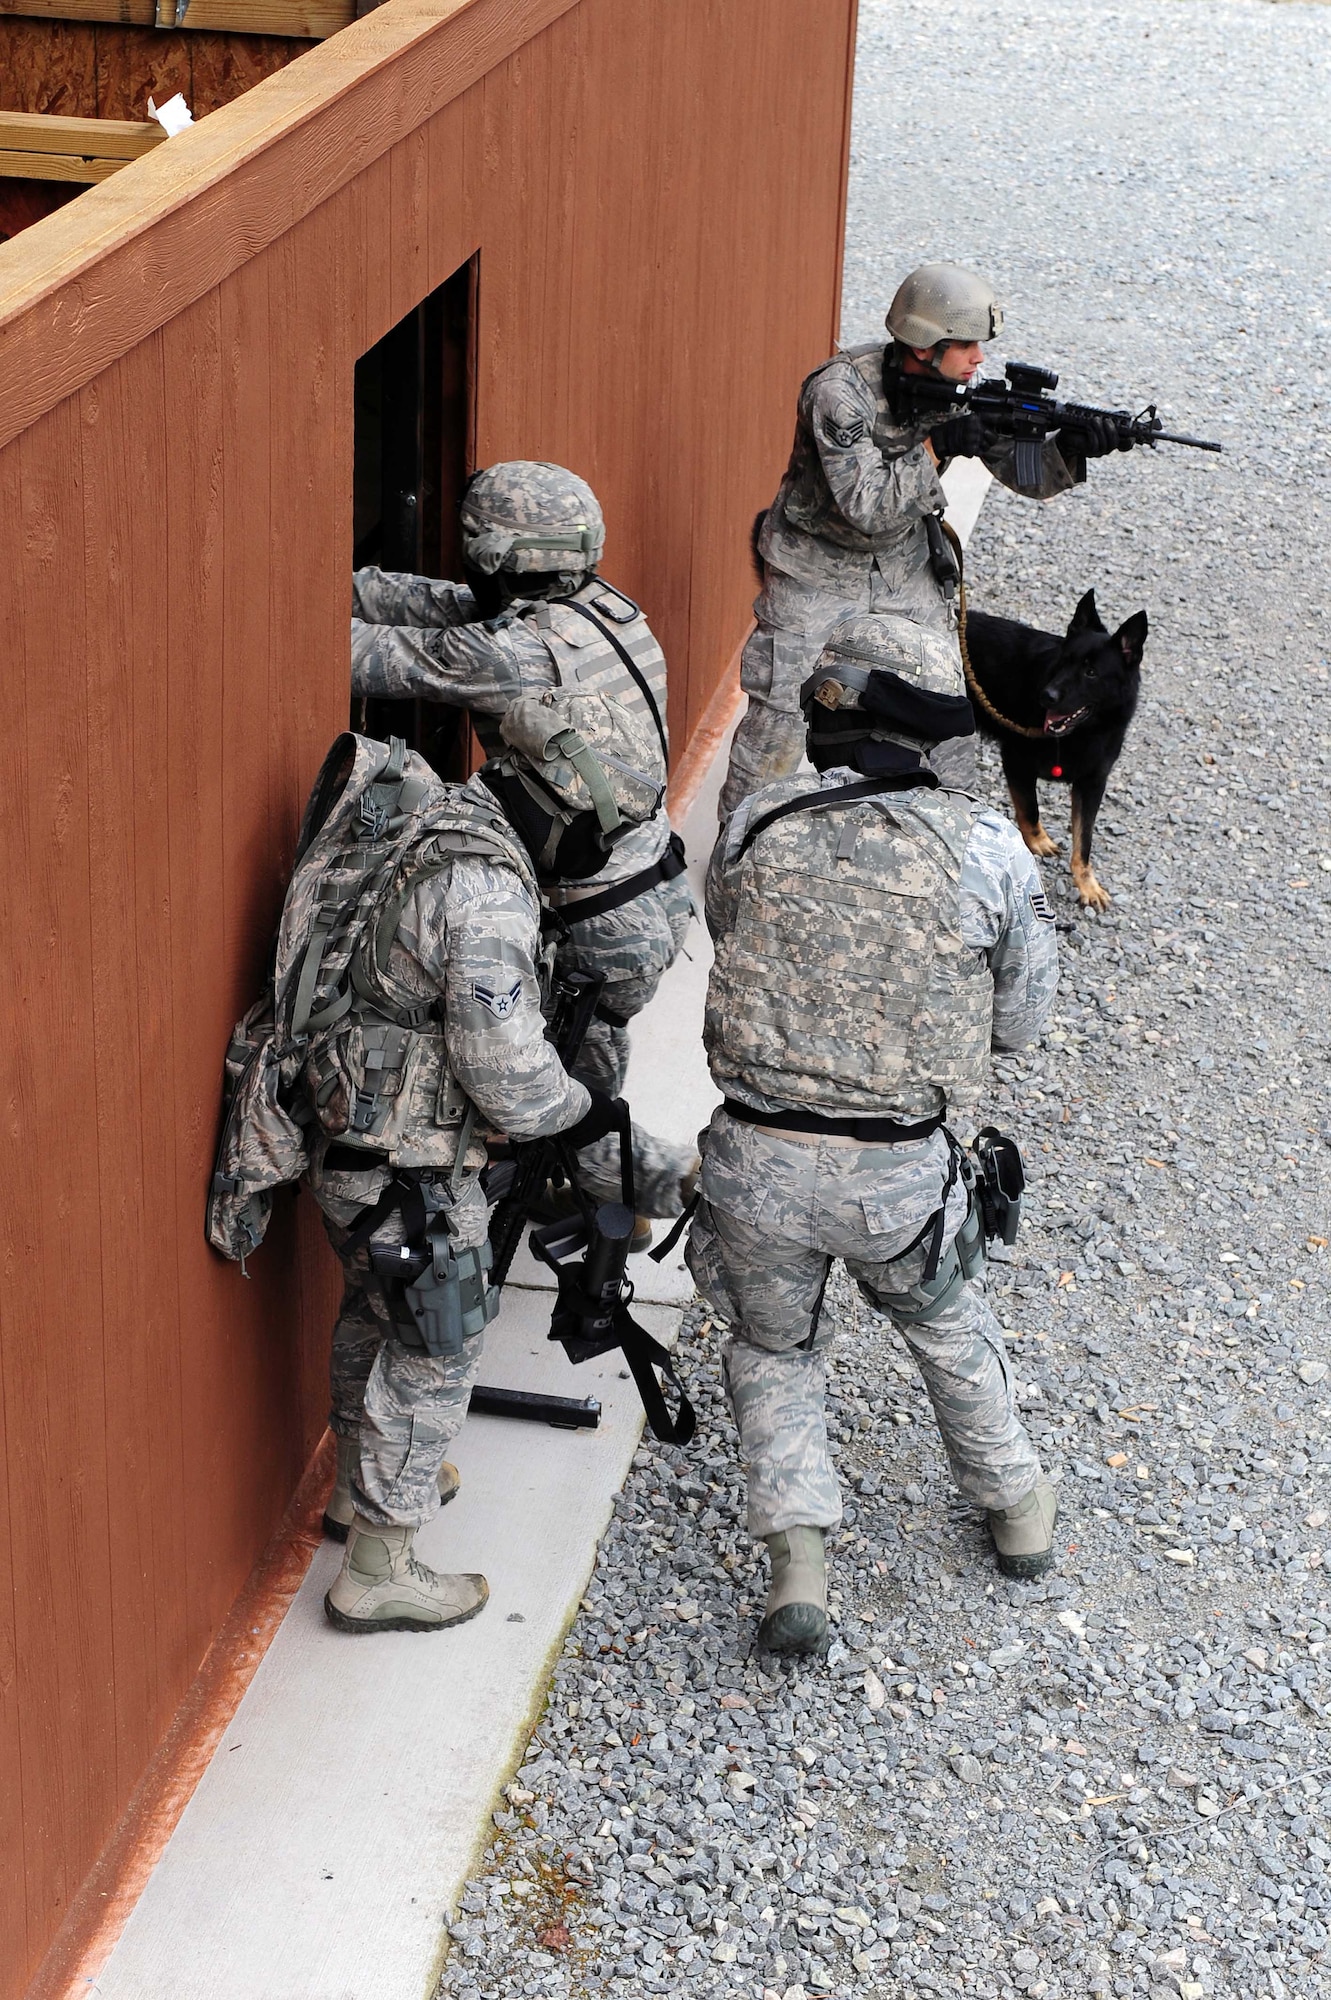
1023	408
587	1251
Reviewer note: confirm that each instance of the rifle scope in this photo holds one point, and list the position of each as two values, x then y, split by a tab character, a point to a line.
1028	379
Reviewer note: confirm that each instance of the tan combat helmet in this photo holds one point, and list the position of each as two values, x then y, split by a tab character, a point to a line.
944	302
525	515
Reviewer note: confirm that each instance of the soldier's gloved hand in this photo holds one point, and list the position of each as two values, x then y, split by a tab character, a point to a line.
962	436
600	1117
1096	437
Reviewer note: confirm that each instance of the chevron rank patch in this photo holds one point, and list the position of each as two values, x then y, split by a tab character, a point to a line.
844	428
1040	905
501	1005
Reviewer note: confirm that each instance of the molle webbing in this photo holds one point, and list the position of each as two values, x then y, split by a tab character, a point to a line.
844	988
643	684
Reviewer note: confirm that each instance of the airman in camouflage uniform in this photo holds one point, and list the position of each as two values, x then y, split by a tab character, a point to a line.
875	937
847	530
407	991
534	614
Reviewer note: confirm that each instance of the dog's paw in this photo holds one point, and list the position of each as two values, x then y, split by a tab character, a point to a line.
1040	843
1089	891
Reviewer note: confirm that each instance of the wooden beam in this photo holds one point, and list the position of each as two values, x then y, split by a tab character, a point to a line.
85	138
56	167
313	20
106	271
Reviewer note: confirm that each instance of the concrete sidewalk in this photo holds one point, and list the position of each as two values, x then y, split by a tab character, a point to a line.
325	1847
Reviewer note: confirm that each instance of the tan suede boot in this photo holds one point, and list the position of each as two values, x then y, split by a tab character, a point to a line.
381	1587
795	1619
1024	1533
340	1509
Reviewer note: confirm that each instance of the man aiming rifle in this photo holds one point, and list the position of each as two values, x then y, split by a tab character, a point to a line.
857	523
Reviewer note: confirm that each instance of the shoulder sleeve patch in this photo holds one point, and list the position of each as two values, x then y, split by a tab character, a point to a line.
1040	905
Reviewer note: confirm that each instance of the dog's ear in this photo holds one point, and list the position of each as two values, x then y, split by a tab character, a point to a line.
1131	636
1086	618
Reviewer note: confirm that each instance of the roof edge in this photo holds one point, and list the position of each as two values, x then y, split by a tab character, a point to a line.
91	281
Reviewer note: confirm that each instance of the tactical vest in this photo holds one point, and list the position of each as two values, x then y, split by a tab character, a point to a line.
584	651
805	499
844	987
349	1035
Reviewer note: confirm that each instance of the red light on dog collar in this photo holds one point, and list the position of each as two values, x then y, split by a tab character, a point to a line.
1055	770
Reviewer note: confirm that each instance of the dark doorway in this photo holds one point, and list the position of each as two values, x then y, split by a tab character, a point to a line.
415	430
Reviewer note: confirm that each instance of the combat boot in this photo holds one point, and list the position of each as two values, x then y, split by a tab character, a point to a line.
795	1619
1024	1534
340	1509
381	1587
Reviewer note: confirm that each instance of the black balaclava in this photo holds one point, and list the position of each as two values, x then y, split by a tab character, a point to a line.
867	738
495	593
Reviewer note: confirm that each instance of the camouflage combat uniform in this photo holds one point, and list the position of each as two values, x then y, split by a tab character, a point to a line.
870	993
468	936
846	533
421	637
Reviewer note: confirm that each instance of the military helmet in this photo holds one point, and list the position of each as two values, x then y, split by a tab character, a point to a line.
899	681
944	302
524	515
582	771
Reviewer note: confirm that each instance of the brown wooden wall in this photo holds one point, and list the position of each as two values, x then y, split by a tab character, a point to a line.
655	189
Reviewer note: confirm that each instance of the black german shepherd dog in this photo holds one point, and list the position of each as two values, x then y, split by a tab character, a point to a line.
1079	693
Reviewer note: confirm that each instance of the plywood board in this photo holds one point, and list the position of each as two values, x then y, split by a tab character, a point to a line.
48	66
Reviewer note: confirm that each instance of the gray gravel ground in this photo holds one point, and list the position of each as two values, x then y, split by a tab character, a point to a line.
1116	1783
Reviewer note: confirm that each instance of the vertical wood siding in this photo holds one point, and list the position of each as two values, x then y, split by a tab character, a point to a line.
654	188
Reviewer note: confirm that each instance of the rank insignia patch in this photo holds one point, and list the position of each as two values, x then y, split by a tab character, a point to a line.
501	1005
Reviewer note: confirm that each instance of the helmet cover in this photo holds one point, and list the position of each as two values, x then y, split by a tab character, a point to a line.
525	515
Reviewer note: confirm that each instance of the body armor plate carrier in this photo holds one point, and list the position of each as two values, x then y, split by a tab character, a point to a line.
844	987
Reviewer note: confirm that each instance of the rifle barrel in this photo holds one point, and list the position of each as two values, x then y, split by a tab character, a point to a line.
1177	437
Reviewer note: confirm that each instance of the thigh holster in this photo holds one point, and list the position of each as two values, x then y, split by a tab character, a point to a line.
963	1259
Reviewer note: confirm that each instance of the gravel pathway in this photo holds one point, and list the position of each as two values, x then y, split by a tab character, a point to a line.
1117	1783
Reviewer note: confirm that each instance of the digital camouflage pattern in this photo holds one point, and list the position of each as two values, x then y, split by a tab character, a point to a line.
865	642
590	752
421	637
841	985
403	1407
633	946
866	958
776	1210
415	637
469	937
525	514
774	1213
345	1021
845	533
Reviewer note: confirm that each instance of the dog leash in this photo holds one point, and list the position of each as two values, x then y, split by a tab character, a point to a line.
977	693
